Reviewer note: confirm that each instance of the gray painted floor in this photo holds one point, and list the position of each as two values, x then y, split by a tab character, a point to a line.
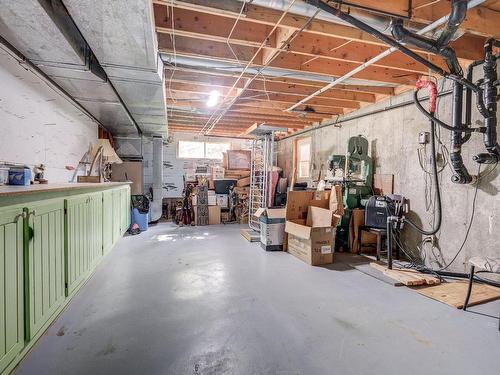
204	301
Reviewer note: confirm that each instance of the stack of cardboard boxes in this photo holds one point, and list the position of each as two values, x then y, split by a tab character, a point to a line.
311	221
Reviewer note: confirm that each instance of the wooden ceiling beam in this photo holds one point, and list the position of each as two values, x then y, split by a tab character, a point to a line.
217	28
238	116
272	96
261	105
480	20
269	86
257	113
292	62
294	82
468	47
242	123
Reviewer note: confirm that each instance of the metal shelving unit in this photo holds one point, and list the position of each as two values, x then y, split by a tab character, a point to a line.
264	157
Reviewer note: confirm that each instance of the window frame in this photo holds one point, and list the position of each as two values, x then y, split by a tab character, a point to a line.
204	157
216	143
188	141
300	143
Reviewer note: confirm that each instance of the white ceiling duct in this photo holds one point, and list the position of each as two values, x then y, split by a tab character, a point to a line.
228	67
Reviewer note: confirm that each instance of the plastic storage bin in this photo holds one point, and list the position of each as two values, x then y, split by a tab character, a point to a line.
19	176
140	219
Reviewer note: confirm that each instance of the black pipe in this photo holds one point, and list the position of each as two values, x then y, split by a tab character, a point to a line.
457	16
490	101
431	117
384	38
402	35
461	175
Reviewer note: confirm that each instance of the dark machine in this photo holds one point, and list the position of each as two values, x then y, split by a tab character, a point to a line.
354	172
485	91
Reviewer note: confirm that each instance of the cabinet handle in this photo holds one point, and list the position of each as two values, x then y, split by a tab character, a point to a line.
20	216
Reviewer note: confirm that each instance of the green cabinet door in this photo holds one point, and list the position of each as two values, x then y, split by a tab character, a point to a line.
45	259
76	253
94	227
11	285
125	208
107	220
117	215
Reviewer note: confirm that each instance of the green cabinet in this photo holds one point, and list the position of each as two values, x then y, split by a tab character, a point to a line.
124	209
107	221
11	285
94	234
84	228
49	246
45	263
117	215
76	250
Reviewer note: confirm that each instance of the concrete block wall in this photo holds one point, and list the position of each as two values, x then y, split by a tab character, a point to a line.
38	125
393	137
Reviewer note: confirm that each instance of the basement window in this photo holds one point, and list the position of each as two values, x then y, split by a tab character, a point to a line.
304	157
191	150
201	150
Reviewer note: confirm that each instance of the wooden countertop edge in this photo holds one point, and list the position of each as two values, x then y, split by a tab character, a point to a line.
13	190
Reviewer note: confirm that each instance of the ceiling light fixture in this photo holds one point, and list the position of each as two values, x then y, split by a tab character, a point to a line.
213	99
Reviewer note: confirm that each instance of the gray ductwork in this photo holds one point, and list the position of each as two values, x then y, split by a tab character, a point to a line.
308	10
122	36
228	67
62	54
49	33
156	203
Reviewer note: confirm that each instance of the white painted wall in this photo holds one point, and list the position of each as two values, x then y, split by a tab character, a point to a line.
38	125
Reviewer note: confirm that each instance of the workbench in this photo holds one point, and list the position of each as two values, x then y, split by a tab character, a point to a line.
52	237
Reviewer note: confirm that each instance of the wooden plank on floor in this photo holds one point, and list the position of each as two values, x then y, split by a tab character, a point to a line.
407	277
250	235
453	294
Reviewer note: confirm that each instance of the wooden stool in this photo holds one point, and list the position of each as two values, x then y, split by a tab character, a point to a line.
380	233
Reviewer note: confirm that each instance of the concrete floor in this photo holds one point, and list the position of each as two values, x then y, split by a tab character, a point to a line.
204	301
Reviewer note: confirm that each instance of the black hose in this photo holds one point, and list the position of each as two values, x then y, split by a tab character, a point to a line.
431	117
437	225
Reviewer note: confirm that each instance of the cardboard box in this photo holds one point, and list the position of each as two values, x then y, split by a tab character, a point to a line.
298	203
314	247
239	159
336	203
236	174
272	228
213	215
310	227
217	173
242	182
222	200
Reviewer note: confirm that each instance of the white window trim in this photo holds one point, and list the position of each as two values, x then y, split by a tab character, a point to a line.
300	141
204	149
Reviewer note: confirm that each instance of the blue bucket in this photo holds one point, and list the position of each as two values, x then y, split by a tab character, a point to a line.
139	219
